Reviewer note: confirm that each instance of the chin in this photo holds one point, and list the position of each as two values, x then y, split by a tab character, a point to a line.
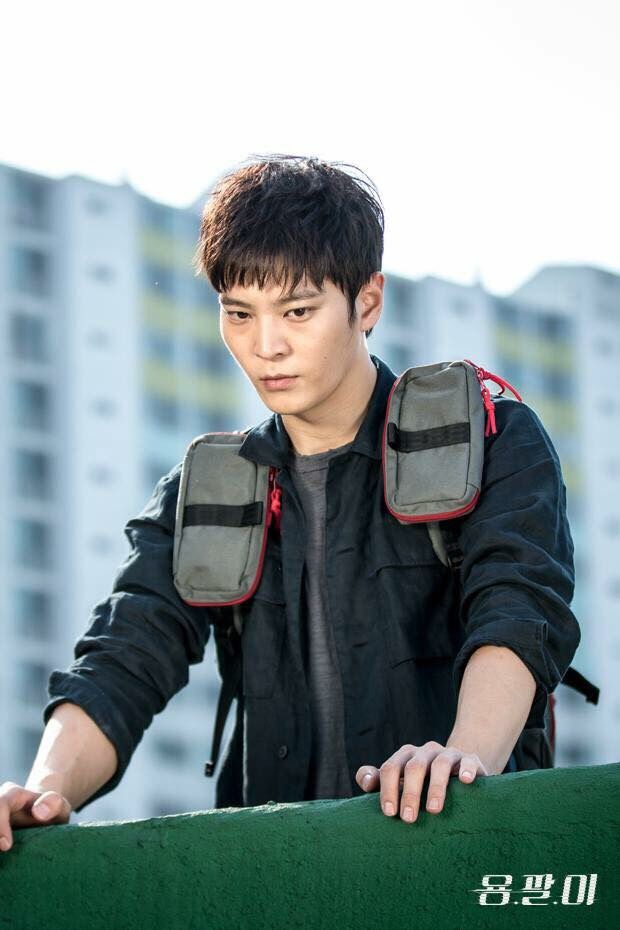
282	404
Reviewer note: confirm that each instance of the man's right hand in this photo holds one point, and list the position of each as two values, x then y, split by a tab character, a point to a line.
20	807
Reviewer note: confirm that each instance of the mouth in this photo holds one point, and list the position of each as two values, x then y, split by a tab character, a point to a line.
276	384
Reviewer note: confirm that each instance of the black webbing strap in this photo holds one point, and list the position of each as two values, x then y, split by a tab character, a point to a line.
223	514
576	680
413	441
454	552
228	691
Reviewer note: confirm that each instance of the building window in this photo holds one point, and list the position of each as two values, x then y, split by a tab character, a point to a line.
154	472
28	337
98	339
95	205
100	474
30	271
33	543
170	749
399	357
32	474
162	411
613	587
607	311
210	421
30	201
33	614
31	405
31	680
575	753
554	327
603	346
556	383
508	314
157	215
102	273
612	527
613	468
159	346
211	690
158	278
162	807
204	294
103	407
101	545
212	358
608	406
460	306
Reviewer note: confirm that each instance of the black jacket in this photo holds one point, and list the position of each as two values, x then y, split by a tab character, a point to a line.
404	624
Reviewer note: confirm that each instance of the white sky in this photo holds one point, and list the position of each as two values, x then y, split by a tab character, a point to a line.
492	129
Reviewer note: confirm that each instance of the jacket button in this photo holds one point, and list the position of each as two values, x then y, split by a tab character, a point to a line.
282	752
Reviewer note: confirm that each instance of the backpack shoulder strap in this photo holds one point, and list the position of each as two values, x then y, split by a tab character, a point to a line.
224	509
443	540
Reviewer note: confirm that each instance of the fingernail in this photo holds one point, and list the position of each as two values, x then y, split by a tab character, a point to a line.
388	808
42	810
366	780
433	804
408	813
467	775
4	844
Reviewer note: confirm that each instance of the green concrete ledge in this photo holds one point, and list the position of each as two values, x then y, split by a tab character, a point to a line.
333	865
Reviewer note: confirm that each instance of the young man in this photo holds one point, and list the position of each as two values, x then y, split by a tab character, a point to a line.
366	663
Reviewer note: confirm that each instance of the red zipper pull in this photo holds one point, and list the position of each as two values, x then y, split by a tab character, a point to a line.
487	397
488	376
275	502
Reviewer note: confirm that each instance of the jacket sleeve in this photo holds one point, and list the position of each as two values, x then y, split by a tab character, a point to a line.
135	653
517	573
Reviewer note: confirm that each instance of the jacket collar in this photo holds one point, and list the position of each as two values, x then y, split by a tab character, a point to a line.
268	443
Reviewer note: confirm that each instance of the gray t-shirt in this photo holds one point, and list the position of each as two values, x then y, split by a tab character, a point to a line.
329	776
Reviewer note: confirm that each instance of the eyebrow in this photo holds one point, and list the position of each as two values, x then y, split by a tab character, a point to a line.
298	295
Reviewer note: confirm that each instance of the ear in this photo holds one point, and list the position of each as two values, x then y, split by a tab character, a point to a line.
369	302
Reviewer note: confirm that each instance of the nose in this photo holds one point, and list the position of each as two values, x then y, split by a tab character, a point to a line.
269	340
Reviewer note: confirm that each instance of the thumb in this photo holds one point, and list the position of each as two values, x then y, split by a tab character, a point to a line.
49	806
367	777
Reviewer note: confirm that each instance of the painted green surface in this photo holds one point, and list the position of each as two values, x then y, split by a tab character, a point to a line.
329	864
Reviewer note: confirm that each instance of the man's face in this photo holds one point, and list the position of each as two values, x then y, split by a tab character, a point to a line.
308	338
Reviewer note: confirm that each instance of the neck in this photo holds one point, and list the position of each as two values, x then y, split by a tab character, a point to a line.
338	420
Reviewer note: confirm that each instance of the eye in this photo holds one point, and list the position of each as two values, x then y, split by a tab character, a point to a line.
298	310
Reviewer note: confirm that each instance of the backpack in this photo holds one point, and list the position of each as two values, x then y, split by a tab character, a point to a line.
436	420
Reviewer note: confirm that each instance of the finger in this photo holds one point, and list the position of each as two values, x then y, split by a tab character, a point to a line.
25	808
367	777
415	773
389	774
442	767
470	767
51	807
12	798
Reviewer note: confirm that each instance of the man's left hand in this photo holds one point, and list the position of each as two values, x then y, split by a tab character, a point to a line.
410	764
